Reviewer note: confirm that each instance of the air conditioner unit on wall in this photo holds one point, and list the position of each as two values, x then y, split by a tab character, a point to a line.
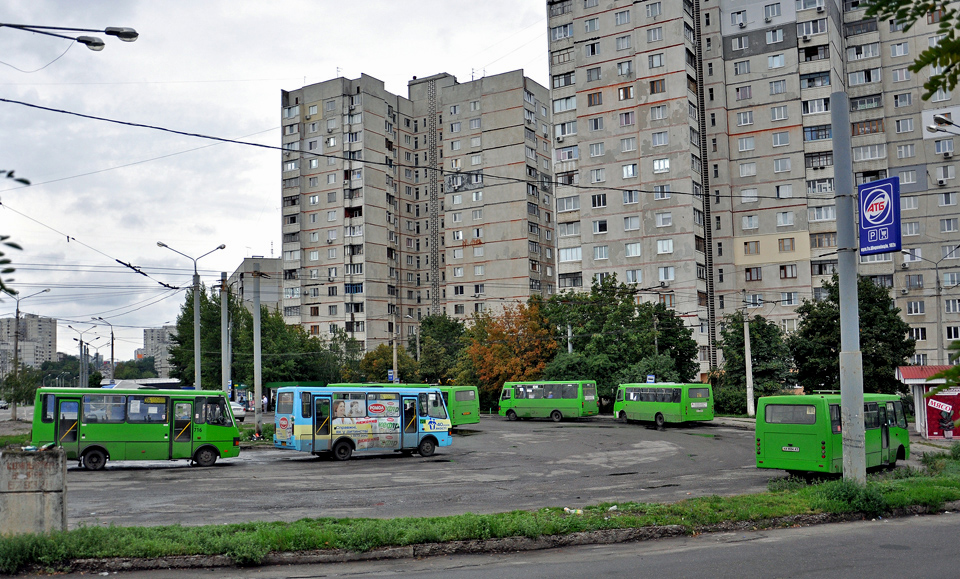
806	38
942	182
767	19
904	291
947	154
743	25
559	139
820	8
664	284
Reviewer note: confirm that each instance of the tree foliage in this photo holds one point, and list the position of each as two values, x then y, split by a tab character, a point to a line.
135	369
441	341
771	363
375	365
944	54
21	387
5	263
884	342
287	352
515	345
612	332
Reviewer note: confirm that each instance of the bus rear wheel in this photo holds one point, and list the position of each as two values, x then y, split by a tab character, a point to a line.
427	447
206	457
342	450
658	420
511	415
94	459
556	416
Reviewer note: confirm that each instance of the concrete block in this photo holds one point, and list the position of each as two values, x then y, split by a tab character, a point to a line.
33	491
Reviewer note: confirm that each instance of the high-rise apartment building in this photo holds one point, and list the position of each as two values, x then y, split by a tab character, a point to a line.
693	154
37	341
398	207
271	281
157	343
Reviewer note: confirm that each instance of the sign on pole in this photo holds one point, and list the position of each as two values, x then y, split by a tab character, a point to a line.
651	379
879	216
389	375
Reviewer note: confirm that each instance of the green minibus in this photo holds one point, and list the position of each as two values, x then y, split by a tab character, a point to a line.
94	425
662	403
555	400
804	433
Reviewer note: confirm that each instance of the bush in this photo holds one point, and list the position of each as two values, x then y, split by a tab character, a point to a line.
847	496
790	483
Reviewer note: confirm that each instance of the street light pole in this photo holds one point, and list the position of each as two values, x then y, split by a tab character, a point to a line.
82	370
113	367
16	351
196	309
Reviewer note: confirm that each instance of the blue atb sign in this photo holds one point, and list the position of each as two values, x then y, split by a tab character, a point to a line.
879	216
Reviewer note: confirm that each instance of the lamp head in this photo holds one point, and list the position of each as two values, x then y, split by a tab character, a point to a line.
222	246
933	129
91	42
124	34
941	120
161	244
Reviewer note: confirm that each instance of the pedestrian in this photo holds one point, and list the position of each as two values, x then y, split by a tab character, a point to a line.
264	402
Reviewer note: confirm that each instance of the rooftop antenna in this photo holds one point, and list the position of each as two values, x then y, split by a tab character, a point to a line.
271	250
338	72
472	70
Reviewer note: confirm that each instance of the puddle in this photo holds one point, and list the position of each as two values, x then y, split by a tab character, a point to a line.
466	432
713	436
621	473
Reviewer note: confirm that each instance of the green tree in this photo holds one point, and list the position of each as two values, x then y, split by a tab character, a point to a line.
21	387
441	340
95	379
771	363
661	366
5	263
135	369
377	362
611	332
884	342
944	54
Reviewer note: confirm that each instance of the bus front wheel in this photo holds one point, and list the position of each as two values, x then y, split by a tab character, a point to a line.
427	447
511	415
94	459
658	420
622	417
342	450
556	416
206	457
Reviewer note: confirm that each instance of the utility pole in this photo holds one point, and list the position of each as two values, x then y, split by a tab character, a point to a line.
569	339
748	358
851	360
257	377
16	352
224	332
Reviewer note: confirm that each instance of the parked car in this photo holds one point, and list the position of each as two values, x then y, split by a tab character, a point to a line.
238	412
4	405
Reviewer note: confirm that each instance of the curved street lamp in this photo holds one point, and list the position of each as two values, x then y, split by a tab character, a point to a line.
196	308
92	42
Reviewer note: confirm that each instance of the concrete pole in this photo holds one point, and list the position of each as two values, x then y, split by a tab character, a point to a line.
396	337
113	366
569	339
196	328
16	360
940	358
748	359
224	347
851	361
257	377
418	342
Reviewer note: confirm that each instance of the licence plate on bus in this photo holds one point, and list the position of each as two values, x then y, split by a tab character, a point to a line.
698	405
790	449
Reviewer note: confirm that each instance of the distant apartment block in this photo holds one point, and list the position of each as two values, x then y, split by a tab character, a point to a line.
271	282
398	207
37	341
157	343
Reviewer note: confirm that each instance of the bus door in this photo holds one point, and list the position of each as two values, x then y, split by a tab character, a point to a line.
884	435
181	434
68	425
411	424
321	423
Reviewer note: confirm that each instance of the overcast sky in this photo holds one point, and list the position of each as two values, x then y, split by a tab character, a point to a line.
104	192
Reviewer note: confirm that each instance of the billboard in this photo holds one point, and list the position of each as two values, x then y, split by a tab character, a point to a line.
879	216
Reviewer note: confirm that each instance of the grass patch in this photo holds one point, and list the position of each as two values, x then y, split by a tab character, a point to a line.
15	439
248	543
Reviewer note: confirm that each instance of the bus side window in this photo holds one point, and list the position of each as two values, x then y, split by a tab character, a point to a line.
305	405
901	418
49	407
676	395
505	395
620	395
423	403
871	418
835	422
891	414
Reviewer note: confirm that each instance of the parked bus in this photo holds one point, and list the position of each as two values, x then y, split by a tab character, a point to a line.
556	400
662	403
345	418
463	402
804	433
95	425
464	407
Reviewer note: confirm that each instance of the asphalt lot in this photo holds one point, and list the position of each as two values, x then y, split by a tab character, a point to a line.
495	466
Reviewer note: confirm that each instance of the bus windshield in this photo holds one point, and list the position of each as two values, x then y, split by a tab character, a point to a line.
790	414
589	392
430	405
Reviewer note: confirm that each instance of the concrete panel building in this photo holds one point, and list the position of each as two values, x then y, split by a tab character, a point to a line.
271	281
37	342
157	343
694	156
398	207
